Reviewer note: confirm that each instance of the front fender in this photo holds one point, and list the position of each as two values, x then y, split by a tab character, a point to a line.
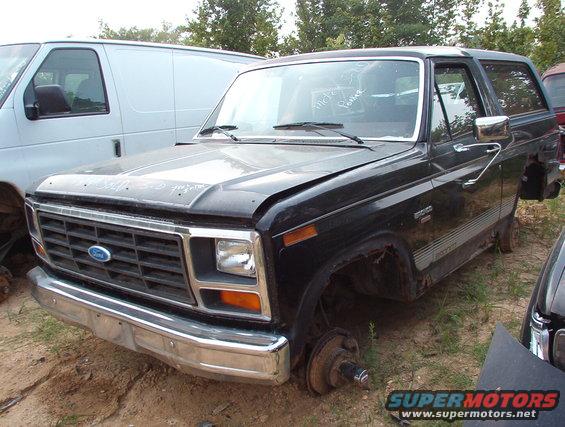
315	288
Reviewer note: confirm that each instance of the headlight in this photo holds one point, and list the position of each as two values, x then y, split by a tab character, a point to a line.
235	257
559	349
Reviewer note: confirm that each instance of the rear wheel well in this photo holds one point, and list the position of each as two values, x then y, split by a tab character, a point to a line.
534	185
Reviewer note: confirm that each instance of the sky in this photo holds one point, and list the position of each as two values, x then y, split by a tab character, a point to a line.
35	20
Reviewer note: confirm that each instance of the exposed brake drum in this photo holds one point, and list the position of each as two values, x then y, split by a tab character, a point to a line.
333	362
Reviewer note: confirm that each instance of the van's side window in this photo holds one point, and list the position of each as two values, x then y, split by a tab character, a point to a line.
76	73
456	100
514	86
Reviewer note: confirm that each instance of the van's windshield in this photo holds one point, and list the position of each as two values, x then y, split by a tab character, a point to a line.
372	99
13	59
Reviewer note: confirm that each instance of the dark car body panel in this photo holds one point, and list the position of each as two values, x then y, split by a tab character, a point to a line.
228	180
362	198
550	299
509	366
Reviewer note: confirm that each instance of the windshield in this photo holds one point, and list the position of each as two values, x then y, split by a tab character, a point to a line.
13	59
372	99
555	86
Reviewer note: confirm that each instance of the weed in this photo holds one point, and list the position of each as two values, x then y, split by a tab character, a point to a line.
371	357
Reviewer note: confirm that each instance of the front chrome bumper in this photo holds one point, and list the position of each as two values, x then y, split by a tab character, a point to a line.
193	347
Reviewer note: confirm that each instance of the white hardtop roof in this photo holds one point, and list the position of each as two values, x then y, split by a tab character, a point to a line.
135	43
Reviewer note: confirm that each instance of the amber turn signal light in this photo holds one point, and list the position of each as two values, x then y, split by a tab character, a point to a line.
300	235
39	249
245	300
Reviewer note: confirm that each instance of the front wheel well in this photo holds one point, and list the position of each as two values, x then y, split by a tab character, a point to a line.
380	273
381	267
11	208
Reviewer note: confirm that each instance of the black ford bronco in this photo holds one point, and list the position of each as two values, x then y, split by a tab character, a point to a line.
374	172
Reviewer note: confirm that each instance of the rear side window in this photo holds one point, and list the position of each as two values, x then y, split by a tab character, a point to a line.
515	87
555	85
77	73
456	104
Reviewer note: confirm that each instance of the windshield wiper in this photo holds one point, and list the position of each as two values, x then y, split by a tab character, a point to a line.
321	125
223	128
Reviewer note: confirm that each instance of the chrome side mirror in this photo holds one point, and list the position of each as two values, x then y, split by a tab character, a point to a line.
491	129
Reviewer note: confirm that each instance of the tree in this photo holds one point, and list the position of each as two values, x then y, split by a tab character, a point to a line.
466	28
323	24
241	25
550	35
496	34
166	34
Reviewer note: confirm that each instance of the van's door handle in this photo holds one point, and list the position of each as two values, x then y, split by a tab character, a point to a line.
117	147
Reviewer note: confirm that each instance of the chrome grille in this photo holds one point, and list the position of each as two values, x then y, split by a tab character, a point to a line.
143	262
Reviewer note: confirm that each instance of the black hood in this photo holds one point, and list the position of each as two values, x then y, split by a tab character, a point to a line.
213	178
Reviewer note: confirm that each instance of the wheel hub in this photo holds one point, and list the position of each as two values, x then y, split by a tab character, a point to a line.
334	362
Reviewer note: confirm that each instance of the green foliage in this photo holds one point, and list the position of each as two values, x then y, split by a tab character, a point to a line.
250	26
166	34
550	35
254	26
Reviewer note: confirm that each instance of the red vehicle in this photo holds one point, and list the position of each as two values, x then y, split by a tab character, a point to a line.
554	81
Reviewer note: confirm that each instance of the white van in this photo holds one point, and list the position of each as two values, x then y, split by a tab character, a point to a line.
68	103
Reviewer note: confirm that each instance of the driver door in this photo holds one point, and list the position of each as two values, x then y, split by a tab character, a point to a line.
463	213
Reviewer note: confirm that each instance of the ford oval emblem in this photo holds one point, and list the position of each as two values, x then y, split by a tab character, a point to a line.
99	253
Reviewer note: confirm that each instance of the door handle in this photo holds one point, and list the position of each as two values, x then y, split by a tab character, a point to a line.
117	147
493	148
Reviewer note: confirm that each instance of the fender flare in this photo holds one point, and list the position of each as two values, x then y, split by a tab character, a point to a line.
318	284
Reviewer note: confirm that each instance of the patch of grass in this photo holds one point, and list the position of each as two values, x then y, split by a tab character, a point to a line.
450	378
71	420
497	267
311	420
42	328
479	351
516	287
476	290
514	327
447	323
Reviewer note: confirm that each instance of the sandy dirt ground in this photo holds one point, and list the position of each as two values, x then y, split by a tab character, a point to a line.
53	374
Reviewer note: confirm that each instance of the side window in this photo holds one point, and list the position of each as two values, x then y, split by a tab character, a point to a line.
439	124
71	80
515	88
455	92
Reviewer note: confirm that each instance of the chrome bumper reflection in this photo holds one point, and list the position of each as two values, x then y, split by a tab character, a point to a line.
194	347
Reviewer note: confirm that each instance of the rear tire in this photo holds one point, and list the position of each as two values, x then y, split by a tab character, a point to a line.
509	239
